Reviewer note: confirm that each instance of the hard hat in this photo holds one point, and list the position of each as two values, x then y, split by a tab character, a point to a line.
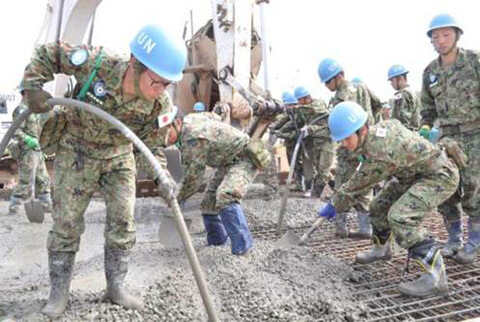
328	69
356	80
345	119
199	107
288	98
164	54
396	70
443	21
300	92
167	118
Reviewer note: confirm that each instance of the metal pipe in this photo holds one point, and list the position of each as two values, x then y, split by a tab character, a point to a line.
162	177
58	31
263	27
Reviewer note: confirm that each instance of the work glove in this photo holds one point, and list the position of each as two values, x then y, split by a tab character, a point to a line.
304	130
167	188
424	131
37	100
434	135
31	142
328	212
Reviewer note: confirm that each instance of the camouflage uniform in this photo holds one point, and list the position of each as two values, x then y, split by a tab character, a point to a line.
425	178
451	100
318	144
347	161
406	108
92	155
207	142
27	158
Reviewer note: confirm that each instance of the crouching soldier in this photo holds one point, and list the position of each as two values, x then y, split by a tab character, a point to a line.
424	177
204	141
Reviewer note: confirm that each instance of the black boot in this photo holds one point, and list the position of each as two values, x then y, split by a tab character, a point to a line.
467	254
434	278
454	243
341	229
317	189
116	268
364	228
60	265
382	249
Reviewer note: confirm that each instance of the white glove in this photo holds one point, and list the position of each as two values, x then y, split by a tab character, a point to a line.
304	130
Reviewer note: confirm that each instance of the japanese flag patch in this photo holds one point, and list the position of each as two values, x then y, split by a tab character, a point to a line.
381	132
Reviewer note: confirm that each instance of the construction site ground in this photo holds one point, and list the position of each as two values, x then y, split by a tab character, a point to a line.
316	282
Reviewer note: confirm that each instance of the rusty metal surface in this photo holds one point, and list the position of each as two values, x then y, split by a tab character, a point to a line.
375	284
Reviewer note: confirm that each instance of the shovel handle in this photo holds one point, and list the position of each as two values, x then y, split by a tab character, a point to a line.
314	227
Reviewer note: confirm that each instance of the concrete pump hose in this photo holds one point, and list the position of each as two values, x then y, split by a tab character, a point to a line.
162	177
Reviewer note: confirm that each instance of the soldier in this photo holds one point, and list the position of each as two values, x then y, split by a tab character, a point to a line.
205	141
332	74
316	137
406	104
24	148
92	155
451	100
424	178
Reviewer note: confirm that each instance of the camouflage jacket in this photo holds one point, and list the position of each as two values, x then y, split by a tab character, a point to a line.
406	108
85	132
451	96
360	94
304	115
206	142
389	149
31	126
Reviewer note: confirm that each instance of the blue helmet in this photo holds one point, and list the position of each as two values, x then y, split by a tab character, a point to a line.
357	80
345	119
396	70
288	98
199	107
443	21
328	69
300	92
164	54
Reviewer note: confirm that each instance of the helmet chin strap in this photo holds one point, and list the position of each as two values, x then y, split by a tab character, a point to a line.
137	69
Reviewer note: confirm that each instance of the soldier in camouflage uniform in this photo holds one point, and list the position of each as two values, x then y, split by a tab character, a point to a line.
406	104
205	141
451	101
92	155
316	138
424	177
25	148
332	74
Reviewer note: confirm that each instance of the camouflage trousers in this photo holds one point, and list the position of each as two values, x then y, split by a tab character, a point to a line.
228	185
73	190
317	167
347	163
27	159
402	204
468	196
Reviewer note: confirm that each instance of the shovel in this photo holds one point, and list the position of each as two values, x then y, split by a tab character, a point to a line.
290	239
168	233
34	208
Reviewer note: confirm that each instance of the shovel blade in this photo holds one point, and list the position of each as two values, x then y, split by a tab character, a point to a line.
289	239
168	233
34	211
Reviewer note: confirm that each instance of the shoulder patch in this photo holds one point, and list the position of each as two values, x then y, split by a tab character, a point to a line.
79	57
99	88
381	132
398	96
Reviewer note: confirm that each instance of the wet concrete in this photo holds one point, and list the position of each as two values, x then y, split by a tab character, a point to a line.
267	285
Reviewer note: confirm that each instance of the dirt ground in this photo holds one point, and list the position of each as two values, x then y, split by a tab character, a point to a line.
267	285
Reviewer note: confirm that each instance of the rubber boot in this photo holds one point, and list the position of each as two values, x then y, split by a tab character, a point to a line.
454	243
317	190
60	265
46	201
341	229
364	228
116	268
381	250
15	205
308	189
235	224
467	254
216	234
433	280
